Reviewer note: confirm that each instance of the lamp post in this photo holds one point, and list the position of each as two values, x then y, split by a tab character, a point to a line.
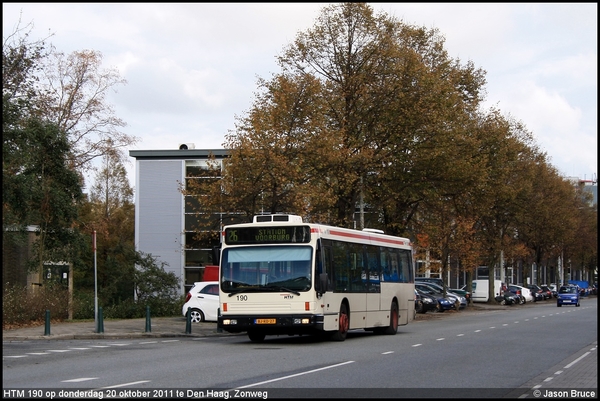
95	281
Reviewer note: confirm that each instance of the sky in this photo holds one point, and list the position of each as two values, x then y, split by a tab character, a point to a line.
192	68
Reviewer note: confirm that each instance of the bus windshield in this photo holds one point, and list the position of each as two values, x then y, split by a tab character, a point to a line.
266	268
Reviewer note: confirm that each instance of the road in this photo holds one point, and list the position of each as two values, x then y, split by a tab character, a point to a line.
500	353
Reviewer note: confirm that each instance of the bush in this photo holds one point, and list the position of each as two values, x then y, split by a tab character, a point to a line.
23	306
137	309
155	288
83	305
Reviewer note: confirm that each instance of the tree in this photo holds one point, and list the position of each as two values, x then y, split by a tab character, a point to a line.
22	61
67	90
549	221
371	123
152	282
360	101
111	215
73	95
43	191
56	121
504	191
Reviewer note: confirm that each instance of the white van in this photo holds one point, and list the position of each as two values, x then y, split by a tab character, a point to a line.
481	290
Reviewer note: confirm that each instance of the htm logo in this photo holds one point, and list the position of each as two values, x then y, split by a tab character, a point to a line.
13	394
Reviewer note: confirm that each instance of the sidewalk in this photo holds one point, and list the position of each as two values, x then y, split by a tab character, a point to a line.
113	329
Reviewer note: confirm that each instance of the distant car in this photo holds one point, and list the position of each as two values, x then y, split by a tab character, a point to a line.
536	289
567	295
202	301
537	296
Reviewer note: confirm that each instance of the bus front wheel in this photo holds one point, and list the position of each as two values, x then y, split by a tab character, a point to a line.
343	326
256	337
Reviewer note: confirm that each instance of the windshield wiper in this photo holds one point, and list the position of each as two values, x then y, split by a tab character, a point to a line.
240	290
281	288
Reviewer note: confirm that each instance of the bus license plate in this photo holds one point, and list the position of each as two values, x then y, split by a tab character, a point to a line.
265	321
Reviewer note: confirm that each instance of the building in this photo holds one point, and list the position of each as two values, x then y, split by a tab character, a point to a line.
587	185
164	219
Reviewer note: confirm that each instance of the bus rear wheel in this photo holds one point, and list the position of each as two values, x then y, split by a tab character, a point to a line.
393	327
343	326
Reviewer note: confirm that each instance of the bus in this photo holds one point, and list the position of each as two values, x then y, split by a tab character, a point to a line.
281	276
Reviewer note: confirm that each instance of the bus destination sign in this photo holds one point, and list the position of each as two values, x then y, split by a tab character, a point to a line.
267	235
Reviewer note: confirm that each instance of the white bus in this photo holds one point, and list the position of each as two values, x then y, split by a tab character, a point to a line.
280	276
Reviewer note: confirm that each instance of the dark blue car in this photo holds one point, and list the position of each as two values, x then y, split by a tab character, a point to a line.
567	295
443	304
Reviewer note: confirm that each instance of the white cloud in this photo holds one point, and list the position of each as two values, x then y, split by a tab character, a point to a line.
192	67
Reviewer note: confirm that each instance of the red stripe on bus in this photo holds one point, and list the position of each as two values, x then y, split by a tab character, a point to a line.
367	237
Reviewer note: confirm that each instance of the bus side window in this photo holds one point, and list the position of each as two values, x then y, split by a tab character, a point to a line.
394	266
405	266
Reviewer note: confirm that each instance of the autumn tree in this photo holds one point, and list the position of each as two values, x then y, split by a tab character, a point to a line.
548	222
509	154
371	123
353	118
111	215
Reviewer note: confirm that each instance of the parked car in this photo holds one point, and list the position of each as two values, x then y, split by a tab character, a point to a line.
547	290
424	302
568	295
554	288
462	292
536	289
462	301
522	292
443	303
203	302
508	298
449	292
440	283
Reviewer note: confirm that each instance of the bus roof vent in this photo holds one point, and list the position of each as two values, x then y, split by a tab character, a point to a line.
373	230
274	218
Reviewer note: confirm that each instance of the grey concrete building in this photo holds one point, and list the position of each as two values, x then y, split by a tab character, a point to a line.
164	219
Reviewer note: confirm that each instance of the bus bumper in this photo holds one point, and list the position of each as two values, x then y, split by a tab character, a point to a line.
271	324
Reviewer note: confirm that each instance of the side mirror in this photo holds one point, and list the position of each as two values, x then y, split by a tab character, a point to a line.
323	283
